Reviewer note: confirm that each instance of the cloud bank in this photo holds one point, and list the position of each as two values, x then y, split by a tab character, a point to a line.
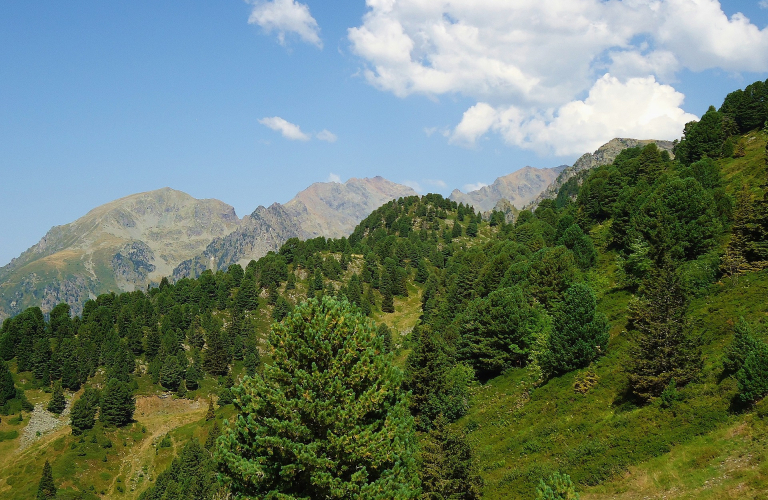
285	17
555	76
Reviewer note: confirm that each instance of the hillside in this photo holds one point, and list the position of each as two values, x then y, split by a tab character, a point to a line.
122	245
604	155
129	243
619	338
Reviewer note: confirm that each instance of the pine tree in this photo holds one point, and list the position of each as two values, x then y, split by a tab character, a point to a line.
387	302
742	346
446	465
83	415
213	435
7	389
557	487
664	349
46	489
386	337
579	335
170	374
753	375
327	420
117	403
216	356
57	402
211	414
193	377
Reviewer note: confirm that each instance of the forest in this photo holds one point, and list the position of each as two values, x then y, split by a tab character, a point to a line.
416	357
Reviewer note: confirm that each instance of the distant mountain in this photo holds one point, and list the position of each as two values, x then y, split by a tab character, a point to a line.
329	209
604	155
119	246
519	188
129	243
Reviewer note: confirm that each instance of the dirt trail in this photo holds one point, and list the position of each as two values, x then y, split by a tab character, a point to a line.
159	415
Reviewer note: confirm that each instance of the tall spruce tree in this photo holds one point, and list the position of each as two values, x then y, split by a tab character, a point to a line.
664	349
117	403
579	335
446	465
7	389
83	415
46	489
327	420
57	402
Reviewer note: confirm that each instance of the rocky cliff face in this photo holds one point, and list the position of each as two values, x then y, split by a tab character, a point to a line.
120	246
518	188
604	155
329	209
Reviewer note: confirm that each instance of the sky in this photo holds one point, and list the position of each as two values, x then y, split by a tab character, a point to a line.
252	101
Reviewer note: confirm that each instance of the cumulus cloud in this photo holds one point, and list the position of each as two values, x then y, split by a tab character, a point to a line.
531	63
640	108
333	178
284	17
468	188
288	129
326	135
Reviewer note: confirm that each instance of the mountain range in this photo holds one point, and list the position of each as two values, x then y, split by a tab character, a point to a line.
131	242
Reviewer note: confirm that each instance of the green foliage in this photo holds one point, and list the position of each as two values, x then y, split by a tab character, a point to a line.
46	489
557	487
7	389
496	332
190	475
742	345
171	373
446	465
117	403
753	375
664	349
327	420
579	334
83	414
57	402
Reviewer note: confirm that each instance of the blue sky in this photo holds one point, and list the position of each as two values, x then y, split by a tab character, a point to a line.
99	100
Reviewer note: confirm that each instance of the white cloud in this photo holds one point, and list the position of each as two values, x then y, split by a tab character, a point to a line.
534	61
413	185
286	16
640	108
473	187
333	178
326	136
763	4
288	129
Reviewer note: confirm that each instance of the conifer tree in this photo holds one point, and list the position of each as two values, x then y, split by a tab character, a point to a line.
579	335
83	415
386	337
664	349
170	374
557	487
327	420
117	403
193	377
215	356
211	412
742	345
57	402
446	465
7	389
213	435
46	489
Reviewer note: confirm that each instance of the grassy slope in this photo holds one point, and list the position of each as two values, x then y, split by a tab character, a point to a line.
702	447
699	448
